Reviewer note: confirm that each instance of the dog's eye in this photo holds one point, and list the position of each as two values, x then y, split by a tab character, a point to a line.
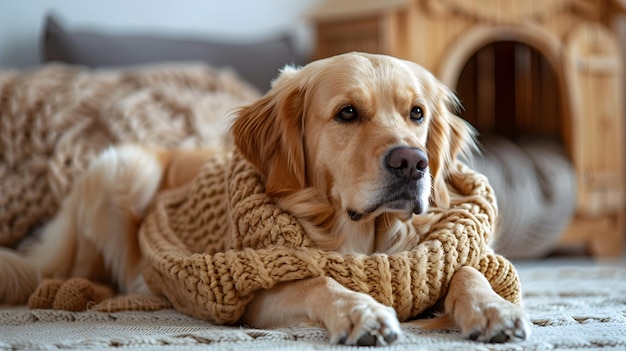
417	114
347	114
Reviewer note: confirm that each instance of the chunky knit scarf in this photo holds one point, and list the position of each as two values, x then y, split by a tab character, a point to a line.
211	245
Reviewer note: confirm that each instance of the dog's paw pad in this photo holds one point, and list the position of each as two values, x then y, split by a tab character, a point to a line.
366	324
377	339
499	324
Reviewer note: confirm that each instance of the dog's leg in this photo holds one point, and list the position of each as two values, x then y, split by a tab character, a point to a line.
481	313
350	317
19	278
51	254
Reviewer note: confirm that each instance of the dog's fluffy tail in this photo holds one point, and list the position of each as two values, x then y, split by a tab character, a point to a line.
444	321
93	223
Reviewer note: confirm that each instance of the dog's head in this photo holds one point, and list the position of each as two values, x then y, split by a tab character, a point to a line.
372	133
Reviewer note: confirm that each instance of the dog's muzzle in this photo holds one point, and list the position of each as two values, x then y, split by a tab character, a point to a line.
408	166
406	187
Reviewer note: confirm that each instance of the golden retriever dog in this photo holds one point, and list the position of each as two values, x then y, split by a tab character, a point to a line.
356	146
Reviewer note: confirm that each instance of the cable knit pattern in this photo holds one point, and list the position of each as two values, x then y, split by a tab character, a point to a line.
212	244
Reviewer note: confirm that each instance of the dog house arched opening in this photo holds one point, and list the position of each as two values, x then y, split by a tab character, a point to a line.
510	82
508	88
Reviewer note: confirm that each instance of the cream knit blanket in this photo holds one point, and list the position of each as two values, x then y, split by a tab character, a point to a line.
214	243
54	120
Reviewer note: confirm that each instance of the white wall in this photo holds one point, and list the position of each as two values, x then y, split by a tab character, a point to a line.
21	21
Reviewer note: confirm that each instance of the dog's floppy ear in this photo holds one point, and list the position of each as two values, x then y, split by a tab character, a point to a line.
269	134
449	137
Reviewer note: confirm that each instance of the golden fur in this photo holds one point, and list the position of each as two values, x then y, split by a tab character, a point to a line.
357	147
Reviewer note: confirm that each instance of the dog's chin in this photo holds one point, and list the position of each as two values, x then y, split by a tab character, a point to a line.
404	209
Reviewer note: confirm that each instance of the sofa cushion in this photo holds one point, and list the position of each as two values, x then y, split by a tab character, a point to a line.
256	62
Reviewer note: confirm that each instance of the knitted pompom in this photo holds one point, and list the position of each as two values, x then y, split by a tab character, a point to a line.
44	296
75	294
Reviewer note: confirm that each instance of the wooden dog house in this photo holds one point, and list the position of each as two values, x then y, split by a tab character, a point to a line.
574	49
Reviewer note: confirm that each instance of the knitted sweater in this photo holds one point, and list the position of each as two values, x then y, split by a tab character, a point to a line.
211	245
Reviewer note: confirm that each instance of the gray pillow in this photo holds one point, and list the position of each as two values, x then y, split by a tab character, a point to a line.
258	62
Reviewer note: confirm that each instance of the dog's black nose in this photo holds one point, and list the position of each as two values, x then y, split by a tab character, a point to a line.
407	162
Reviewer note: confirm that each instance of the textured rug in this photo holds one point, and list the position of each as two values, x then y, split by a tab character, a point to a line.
572	308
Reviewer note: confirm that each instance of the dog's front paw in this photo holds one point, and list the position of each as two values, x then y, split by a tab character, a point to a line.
496	321
360	320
